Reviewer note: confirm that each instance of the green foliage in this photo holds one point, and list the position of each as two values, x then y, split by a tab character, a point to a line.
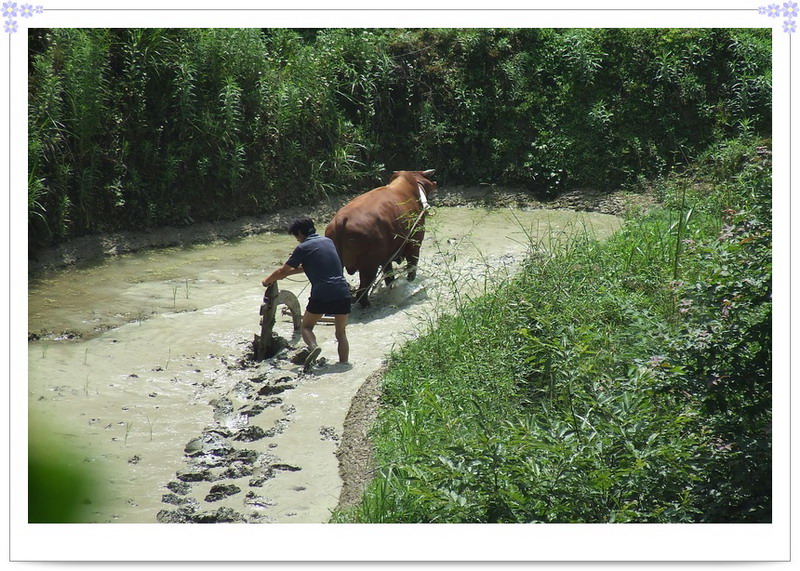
60	486
596	387
726	345
141	127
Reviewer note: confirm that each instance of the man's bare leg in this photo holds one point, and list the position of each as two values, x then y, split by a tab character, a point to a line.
340	322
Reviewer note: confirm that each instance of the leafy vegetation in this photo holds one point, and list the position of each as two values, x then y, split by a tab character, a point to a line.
130	128
623	381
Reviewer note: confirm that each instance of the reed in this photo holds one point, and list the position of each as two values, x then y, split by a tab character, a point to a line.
128	428
149	426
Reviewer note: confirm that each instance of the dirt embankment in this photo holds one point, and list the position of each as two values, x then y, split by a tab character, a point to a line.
101	246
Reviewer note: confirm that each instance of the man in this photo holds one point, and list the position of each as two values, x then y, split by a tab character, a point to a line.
316	256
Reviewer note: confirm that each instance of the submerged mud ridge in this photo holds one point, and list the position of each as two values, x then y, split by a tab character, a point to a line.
229	462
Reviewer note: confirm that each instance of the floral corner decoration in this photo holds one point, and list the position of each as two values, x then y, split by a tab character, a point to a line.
788	11
12	11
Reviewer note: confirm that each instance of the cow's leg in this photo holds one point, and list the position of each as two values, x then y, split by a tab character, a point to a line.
412	259
366	277
388	274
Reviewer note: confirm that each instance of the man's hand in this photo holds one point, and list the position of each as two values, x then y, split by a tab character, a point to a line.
280	273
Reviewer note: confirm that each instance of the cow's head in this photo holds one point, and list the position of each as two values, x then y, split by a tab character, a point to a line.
419	177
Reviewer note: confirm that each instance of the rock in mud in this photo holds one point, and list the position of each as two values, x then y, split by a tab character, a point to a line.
259	480
189	514
223	407
195	474
222	491
221	515
286	467
261	475
193	447
328	433
246	456
237	470
177	500
181	515
250	434
259	502
242	390
270	390
211	443
252	410
181	488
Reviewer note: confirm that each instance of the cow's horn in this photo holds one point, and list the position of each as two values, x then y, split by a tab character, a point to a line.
429	172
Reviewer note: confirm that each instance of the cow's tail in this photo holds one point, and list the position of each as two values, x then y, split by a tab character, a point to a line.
339	233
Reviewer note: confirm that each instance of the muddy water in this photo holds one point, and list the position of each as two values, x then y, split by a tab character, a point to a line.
139	368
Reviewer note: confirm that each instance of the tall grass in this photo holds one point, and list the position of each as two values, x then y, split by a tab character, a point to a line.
144	127
581	393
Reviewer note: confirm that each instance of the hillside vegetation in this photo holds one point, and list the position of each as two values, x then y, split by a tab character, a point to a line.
133	128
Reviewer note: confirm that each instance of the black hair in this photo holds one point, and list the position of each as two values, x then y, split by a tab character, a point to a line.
303	225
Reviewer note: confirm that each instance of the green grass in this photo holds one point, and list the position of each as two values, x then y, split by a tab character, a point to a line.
618	381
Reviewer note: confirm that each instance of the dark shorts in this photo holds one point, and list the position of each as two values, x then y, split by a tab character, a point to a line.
336	307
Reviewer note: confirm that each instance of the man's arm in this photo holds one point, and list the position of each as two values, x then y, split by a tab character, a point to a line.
282	272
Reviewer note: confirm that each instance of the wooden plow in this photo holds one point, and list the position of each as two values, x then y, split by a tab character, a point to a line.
267	344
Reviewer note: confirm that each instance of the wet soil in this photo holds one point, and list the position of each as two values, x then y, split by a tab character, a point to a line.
99	247
249	462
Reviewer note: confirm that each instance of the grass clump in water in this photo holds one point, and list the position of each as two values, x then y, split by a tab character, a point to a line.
597	387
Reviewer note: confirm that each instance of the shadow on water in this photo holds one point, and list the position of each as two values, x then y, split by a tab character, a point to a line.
386	301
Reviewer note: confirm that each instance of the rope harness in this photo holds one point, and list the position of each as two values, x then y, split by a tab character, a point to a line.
381	273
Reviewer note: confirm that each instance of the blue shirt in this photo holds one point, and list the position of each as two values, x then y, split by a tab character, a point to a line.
317	254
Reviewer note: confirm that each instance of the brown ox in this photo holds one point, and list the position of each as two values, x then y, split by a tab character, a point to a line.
383	225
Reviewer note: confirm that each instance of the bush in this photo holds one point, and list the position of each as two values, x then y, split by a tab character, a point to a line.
134	127
726	347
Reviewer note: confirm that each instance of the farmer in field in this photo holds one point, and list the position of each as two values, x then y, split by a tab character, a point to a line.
330	295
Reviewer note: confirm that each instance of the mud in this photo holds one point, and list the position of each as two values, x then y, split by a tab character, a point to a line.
107	246
142	364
